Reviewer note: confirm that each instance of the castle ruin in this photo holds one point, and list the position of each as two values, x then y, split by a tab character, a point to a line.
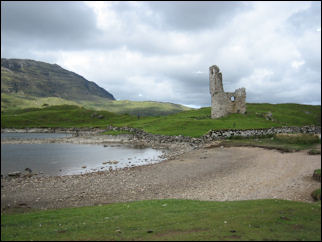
223	103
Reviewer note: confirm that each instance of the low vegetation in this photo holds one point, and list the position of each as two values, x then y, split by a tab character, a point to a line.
316	194
170	220
314	152
317	172
282	142
194	123
317	175
60	116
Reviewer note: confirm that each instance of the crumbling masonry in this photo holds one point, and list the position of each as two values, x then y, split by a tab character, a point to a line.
223	103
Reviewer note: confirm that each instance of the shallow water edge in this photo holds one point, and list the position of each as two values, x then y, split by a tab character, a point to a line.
168	150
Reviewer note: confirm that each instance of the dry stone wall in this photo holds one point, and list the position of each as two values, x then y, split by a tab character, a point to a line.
213	135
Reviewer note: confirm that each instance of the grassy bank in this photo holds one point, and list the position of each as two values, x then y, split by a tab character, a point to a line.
282	142
170	220
193	123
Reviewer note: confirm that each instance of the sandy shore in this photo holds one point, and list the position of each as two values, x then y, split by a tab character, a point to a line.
216	174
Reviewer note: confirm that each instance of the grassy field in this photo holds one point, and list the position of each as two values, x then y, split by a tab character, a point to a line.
60	116
171	220
11	102
193	123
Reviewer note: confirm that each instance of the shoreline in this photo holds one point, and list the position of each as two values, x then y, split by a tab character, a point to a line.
211	135
204	171
210	174
169	150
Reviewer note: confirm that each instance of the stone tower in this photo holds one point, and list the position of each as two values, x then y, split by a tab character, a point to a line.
223	103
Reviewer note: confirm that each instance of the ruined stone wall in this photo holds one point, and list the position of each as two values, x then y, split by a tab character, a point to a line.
223	103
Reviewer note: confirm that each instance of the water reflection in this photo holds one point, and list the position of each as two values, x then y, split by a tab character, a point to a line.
68	159
14	135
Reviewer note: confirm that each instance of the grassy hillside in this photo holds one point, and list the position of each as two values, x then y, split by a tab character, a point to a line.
34	84
193	123
10	102
183	220
61	116
141	108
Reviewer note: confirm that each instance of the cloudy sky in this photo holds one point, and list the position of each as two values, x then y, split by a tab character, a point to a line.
162	51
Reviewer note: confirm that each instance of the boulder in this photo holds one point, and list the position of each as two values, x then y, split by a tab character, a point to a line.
28	169
14	174
268	116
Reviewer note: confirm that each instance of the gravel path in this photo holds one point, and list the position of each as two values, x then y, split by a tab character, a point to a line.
217	174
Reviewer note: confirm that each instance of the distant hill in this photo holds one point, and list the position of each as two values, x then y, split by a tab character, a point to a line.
35	84
41	79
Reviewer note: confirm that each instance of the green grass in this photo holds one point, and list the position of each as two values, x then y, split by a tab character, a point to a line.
60	116
285	142
297	138
136	108
314	152
22	101
193	123
170	220
317	171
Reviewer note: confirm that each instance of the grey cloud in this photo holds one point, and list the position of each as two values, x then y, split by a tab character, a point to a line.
197	15
59	25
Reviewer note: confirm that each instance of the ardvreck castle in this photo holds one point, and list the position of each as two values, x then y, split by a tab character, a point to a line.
223	103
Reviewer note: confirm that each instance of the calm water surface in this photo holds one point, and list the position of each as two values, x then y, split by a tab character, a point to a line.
13	135
68	159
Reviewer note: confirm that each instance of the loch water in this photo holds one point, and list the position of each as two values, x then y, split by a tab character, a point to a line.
70	159
23	135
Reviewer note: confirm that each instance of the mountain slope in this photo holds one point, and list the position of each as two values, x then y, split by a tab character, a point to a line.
41	79
35	84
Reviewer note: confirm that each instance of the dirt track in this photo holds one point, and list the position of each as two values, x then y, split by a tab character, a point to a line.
218	174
